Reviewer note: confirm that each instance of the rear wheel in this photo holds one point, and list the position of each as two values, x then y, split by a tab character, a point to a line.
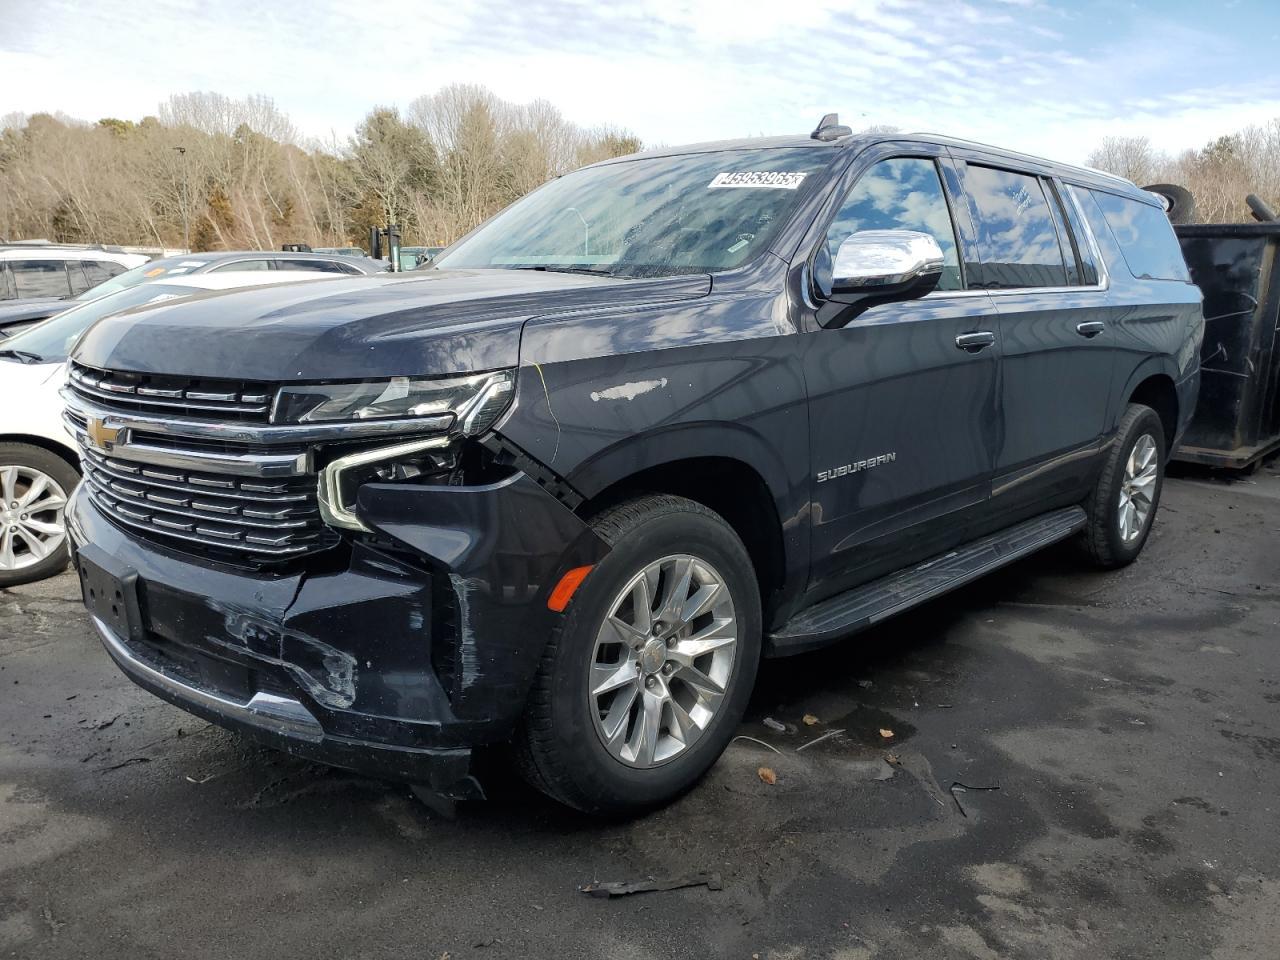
34	486
649	672
1123	505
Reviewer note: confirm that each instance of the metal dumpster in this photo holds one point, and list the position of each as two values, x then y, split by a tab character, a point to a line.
1237	419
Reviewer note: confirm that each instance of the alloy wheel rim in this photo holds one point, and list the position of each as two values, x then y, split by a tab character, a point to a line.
662	661
32	525
1137	488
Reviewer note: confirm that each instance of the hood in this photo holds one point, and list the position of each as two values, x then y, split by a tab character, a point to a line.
13	312
18	381
421	323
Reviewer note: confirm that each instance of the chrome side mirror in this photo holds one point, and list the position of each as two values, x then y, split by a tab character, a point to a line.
887	265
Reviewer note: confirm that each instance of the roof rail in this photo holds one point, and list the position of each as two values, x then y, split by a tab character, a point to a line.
49	244
961	141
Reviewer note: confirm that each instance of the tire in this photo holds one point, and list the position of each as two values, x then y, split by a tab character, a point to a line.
1108	545
1180	205
22	467
561	745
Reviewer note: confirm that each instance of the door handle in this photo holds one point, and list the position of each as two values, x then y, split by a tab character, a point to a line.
973	342
1090	328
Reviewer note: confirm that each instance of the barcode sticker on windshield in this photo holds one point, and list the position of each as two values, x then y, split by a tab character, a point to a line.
768	179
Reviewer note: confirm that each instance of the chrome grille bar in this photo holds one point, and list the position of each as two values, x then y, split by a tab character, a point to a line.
231	486
249	433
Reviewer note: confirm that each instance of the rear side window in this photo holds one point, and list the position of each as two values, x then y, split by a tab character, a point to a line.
1018	240
903	193
80	281
40	278
1145	236
95	271
1084	249
324	266
242	265
100	271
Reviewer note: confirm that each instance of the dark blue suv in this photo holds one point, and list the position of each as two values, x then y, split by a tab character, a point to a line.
661	420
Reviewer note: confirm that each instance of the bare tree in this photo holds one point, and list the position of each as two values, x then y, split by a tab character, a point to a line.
1128	157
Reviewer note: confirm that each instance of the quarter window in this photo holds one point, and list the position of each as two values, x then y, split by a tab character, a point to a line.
40	278
902	193
1145	236
1017	238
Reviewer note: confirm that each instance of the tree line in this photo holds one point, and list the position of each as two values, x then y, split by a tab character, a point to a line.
212	172
1219	175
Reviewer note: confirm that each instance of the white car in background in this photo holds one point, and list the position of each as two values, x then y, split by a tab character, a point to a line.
38	464
36	270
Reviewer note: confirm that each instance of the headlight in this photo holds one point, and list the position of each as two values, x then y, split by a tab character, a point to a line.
340	480
475	401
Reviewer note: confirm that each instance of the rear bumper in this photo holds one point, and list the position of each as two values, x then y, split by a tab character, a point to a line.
392	658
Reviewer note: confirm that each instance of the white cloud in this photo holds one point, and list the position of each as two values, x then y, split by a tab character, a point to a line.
997	70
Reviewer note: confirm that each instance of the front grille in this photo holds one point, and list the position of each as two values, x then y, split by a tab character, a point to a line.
202	470
190	398
250	516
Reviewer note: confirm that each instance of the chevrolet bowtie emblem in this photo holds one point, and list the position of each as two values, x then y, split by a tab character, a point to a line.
102	436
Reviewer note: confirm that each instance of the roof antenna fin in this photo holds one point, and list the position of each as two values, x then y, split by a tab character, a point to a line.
830	128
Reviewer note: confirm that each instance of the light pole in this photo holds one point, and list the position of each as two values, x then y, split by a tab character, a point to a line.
186	200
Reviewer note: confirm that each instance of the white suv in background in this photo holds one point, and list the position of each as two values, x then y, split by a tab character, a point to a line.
40	271
39	465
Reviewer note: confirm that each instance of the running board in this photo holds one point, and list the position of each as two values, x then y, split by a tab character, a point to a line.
872	602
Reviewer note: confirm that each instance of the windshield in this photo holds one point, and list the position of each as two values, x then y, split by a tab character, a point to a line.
51	341
173	267
695	213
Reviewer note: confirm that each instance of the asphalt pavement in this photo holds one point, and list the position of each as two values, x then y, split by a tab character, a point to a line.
1052	763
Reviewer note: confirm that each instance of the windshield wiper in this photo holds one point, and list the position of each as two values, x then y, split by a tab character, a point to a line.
25	356
590	271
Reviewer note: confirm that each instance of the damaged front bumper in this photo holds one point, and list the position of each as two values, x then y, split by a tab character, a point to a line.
392	656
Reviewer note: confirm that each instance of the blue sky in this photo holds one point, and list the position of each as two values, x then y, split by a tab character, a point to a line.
1049	76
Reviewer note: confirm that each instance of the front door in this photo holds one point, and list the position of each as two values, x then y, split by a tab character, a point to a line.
902	399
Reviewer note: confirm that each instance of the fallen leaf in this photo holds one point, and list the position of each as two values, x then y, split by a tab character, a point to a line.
767	775
810	720
887	734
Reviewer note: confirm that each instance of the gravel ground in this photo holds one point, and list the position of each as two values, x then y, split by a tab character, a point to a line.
1053	763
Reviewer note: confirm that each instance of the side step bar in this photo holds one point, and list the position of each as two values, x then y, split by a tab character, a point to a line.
872	602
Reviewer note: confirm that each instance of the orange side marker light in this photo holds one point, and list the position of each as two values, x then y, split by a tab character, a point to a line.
565	589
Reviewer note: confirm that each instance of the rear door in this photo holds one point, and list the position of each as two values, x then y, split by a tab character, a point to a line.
1057	350
901	415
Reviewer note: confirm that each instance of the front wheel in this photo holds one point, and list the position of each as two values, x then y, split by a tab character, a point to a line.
1123	505
648	674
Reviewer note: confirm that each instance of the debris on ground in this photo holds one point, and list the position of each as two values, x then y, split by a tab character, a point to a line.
622	888
769	746
956	785
767	775
773	724
126	763
810	720
825	736
886	733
